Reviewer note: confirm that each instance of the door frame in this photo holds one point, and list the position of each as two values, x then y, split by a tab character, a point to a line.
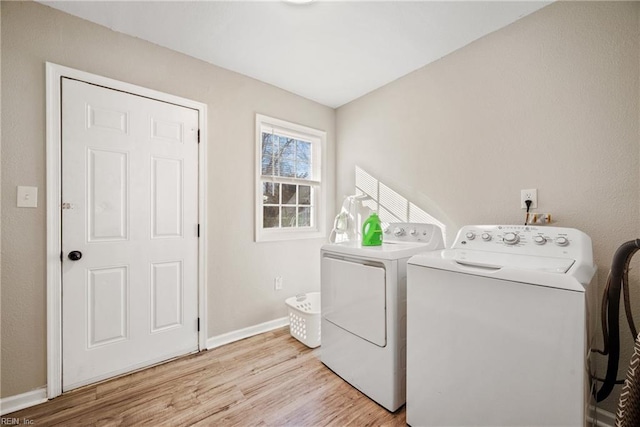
54	74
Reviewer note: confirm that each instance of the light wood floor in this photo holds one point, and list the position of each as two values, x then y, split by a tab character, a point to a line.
267	380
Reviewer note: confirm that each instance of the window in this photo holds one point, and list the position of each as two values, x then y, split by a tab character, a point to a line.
289	189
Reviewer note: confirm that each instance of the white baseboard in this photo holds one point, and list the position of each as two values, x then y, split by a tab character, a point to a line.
241	334
604	418
20	401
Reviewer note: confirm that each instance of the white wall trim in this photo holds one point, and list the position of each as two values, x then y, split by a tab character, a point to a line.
25	400
604	418
54	73
240	334
54	241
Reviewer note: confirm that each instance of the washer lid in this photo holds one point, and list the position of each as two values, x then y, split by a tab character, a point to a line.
558	273
494	260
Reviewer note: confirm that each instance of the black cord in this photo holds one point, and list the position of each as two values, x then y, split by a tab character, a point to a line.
528	203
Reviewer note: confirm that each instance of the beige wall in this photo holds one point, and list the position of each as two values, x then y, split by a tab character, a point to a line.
241	272
550	102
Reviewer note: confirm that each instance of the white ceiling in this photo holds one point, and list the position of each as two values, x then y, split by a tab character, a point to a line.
329	51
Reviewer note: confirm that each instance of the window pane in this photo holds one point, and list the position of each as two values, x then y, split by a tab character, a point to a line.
267	165
303	170
304	195
270	193
287	168
287	148
267	154
288	217
270	217
288	194
303	151
304	217
267	145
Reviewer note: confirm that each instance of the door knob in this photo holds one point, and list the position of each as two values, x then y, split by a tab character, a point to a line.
74	255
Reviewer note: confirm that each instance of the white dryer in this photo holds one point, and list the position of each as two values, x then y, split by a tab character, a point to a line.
500	327
364	309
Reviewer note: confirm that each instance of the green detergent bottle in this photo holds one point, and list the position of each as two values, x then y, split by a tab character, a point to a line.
372	231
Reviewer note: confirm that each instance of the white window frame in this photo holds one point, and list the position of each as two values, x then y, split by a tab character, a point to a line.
318	140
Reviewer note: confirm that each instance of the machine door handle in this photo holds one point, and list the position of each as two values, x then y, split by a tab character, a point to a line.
74	255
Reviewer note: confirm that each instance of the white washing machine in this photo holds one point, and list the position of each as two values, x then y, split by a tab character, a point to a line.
500	327
364	309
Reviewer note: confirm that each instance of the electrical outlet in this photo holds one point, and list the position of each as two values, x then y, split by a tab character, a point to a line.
529	195
277	283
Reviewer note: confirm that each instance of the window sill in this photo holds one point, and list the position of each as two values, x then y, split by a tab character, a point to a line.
280	235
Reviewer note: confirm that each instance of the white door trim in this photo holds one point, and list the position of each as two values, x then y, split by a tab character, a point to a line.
54	73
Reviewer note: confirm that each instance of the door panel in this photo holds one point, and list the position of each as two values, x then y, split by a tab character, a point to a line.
107	119
107	319
166	130
166	295
129	193
107	195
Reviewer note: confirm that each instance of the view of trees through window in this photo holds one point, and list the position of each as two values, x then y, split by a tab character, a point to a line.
286	204
286	157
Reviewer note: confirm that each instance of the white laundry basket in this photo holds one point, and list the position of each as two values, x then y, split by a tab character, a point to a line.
304	318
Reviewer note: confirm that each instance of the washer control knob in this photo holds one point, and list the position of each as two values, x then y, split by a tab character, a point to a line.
486	237
470	235
413	232
562	241
398	232
511	238
539	240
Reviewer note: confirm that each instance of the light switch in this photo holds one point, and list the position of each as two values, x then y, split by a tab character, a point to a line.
27	197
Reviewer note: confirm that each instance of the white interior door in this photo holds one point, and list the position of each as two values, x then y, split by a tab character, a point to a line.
130	208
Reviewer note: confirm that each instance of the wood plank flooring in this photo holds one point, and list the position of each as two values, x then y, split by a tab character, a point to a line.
266	380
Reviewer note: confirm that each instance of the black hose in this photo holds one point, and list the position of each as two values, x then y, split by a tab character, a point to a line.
616	282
